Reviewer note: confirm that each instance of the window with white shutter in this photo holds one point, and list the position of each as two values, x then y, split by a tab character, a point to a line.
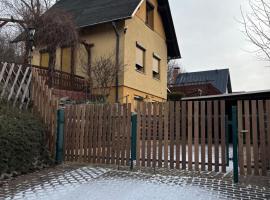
140	58
156	67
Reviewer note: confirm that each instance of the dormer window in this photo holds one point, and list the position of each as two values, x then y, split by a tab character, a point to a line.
150	15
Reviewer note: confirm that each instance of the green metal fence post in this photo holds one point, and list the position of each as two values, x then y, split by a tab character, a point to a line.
133	139
60	136
235	144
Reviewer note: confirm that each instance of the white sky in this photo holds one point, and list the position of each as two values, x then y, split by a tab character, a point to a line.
210	37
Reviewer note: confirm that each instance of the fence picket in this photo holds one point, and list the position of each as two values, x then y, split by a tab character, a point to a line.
216	135
240	137
209	133
139	136
202	117
196	134
166	134
160	133
172	133
143	134
247	134
148	133
223	135
177	133
184	133
263	151
155	129
268	130
190	138
255	136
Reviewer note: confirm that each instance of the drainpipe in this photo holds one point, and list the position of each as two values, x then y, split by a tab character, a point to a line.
117	34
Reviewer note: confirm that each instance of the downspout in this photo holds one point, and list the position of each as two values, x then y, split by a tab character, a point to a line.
117	34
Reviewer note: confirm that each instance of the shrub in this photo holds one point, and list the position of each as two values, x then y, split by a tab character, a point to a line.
22	142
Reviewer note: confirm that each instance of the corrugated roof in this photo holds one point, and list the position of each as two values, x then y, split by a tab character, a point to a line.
218	78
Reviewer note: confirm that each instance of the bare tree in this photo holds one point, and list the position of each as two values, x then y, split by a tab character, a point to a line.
256	23
56	28
101	74
9	52
23	14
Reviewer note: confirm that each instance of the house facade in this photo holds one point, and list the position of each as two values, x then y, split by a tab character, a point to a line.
147	40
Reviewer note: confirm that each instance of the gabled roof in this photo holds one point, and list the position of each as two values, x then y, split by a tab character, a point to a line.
218	78
92	12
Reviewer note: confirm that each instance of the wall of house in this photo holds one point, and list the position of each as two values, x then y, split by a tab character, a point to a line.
36	58
153	41
132	82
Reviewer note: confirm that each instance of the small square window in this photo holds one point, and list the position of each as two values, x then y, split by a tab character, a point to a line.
156	67
140	58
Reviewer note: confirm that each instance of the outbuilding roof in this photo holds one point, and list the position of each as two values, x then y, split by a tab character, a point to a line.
218	78
92	12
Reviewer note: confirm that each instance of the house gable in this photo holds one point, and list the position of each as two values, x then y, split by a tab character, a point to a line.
157	19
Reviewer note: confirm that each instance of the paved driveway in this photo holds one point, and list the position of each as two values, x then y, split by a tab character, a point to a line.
99	183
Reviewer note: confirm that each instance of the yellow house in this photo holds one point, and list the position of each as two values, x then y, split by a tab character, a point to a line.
142	30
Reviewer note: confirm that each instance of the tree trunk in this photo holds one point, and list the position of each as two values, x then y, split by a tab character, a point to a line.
52	58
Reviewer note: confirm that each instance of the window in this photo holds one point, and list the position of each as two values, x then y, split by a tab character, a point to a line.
150	14
44	59
156	67
66	60
140	58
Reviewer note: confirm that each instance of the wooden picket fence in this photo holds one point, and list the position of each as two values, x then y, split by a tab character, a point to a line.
254	137
45	105
15	83
182	135
98	133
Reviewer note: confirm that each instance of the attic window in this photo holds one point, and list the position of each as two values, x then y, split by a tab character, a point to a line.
150	14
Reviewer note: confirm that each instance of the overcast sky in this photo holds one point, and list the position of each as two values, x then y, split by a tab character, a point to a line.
210	38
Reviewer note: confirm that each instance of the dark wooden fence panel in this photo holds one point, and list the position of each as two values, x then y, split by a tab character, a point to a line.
98	133
254	137
182	135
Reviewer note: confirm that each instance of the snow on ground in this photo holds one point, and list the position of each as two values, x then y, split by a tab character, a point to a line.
122	189
71	182
118	189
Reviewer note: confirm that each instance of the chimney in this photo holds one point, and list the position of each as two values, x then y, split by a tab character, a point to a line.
175	74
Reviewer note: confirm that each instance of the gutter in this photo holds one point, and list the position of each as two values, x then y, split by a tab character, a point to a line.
117	34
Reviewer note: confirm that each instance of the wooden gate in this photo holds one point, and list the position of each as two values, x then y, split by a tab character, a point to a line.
187	135
98	133
254	137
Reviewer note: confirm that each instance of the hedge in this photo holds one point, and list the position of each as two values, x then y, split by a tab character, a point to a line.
22	142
